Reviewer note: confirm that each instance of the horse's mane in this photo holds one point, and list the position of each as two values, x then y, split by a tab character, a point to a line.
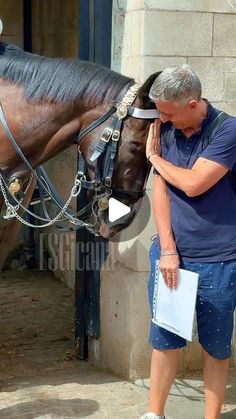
57	79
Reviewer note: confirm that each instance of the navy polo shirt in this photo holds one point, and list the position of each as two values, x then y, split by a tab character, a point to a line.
204	226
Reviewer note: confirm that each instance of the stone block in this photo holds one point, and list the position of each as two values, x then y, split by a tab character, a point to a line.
224	35
131	67
174	33
192	5
121	36
125	45
118	20
211	72
132	250
228	107
127	5
136	33
150	181
153	64
124	311
230	86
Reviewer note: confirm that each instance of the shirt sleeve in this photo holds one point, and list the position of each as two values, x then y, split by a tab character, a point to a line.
222	148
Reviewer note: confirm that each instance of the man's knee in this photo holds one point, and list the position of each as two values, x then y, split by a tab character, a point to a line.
208	357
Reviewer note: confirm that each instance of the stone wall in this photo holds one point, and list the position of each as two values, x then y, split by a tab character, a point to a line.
149	35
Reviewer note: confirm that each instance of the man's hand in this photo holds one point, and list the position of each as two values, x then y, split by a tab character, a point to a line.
169	267
153	145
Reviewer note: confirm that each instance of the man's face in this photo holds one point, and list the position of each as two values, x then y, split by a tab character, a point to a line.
180	115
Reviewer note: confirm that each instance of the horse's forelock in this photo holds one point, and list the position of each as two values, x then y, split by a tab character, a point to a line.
143	94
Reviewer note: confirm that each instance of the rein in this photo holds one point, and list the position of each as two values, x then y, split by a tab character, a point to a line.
101	185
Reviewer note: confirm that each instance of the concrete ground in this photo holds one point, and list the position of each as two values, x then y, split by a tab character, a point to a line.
40	377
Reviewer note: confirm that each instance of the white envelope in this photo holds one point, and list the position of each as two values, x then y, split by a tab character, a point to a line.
173	309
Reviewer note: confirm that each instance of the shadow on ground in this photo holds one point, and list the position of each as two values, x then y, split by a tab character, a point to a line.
60	408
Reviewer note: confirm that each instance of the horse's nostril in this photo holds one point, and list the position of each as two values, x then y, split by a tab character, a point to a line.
104	230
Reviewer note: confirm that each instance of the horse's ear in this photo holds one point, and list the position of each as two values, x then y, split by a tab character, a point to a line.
144	89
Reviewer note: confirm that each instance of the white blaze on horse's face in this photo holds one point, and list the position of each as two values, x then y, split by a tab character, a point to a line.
1	26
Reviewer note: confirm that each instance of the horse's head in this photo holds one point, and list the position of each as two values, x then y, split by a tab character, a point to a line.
130	169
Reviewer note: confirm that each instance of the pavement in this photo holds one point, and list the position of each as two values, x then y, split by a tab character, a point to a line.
40	377
89	393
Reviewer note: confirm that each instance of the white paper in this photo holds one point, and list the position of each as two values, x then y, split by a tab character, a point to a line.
173	309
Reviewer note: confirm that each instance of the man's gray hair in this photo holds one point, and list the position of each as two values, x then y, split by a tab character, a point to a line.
176	84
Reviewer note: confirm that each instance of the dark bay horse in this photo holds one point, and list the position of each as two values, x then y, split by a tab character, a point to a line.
47	102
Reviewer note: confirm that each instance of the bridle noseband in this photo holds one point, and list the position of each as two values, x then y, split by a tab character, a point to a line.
105	149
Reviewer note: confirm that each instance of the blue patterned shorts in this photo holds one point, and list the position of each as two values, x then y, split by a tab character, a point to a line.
216	302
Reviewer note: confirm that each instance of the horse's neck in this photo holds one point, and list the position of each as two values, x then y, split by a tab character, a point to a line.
41	130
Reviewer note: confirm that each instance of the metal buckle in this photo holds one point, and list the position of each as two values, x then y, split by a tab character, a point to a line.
108	182
97	185
103	203
116	135
15	186
106	134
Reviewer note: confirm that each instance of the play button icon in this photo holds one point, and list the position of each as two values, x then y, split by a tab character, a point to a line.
117	210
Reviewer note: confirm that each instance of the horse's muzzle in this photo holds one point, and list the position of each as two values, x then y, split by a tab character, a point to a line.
109	229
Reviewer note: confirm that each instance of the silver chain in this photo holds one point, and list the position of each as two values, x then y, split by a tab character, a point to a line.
12	209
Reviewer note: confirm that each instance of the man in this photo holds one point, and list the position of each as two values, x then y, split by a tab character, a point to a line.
194	206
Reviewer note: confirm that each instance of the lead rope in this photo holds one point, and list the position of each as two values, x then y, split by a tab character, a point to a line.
12	209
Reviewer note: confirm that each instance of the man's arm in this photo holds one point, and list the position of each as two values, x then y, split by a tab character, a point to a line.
161	208
161	211
210	167
203	175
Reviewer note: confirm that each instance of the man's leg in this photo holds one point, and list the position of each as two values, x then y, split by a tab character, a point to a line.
164	367
215	379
